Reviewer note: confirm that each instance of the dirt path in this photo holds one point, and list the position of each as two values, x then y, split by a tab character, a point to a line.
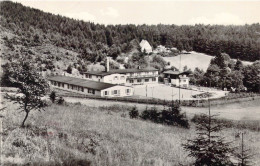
236	111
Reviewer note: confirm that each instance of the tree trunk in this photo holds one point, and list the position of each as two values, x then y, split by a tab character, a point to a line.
26	116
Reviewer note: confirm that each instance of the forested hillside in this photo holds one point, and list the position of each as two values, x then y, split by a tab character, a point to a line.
93	41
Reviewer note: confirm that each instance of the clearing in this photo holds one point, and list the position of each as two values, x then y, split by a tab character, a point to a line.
193	60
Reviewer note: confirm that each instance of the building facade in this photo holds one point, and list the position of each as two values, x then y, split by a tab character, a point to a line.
125	76
89	87
176	78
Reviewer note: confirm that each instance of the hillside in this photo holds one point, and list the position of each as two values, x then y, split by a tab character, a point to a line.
92	42
72	134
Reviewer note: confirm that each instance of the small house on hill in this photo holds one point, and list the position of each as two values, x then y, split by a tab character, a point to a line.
176	78
145	46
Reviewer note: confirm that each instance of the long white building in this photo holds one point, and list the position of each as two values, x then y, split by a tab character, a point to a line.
125	76
90	87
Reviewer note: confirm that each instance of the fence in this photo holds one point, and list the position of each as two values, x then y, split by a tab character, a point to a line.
189	103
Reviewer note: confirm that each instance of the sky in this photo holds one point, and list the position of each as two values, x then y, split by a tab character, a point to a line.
154	12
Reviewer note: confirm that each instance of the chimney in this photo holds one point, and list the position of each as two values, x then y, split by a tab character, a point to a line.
108	64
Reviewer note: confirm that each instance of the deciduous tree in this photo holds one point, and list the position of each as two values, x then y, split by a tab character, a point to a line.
31	88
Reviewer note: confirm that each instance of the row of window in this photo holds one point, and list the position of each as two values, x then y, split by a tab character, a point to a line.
140	80
116	92
72	87
143	73
121	77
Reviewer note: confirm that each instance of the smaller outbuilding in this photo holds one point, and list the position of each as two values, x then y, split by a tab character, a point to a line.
176	78
90	87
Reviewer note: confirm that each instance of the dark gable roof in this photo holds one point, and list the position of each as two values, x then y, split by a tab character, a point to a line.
121	71
81	82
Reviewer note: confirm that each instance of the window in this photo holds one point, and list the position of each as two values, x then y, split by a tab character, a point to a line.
131	81
153	79
122	77
115	92
89	90
139	80
90	76
62	85
55	83
82	89
128	91
115	78
184	80
106	93
146	80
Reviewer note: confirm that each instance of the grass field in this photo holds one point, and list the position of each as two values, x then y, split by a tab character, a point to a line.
98	136
193	60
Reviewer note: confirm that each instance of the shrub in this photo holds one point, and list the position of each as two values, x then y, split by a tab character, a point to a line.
53	96
134	113
145	115
171	116
61	101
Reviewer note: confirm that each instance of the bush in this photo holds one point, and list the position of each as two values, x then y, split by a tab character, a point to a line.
174	117
171	116
134	113
61	101
53	96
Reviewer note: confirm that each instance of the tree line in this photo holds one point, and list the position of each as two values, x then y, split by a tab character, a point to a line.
225	73
93	41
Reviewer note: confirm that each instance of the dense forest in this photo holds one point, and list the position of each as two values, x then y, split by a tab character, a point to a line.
94	41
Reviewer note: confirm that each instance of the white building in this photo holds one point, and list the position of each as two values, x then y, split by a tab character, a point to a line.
125	76
145	46
176	78
89	87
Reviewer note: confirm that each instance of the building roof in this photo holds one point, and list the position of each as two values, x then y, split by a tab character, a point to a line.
81	82
121	71
171	72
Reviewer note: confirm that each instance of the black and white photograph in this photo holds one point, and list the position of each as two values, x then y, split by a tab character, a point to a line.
129	83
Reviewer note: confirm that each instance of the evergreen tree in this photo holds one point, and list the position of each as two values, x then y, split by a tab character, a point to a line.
209	148
244	155
238	65
69	69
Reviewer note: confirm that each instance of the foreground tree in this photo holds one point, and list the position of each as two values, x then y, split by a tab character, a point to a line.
31	88
208	148
244	155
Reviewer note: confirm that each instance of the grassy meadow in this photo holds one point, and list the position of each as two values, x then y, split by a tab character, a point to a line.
74	134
